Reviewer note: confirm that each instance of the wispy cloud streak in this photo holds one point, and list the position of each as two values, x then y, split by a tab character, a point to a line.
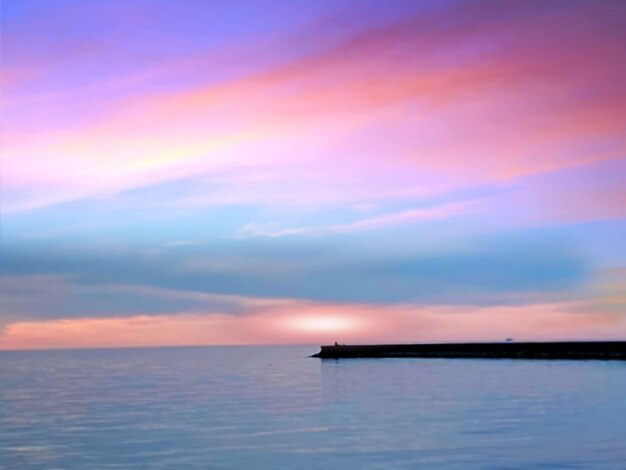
388	220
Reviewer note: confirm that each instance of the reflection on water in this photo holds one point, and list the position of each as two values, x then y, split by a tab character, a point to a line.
273	407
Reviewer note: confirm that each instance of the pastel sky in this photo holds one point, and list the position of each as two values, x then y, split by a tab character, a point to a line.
182	172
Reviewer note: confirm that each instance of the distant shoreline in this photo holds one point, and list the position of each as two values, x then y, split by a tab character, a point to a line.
602	350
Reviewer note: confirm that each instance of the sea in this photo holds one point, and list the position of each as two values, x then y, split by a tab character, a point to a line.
267	407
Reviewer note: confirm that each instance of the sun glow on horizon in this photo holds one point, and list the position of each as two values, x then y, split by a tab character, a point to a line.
323	324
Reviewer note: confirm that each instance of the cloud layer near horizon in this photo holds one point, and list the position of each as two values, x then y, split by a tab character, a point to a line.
287	321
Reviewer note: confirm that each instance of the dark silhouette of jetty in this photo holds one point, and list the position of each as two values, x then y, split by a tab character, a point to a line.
605	350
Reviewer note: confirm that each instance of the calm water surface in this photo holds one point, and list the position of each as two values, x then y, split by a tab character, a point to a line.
273	407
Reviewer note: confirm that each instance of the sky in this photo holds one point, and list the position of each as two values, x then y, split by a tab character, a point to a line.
190	172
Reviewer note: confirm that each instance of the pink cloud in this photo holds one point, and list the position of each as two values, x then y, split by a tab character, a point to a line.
484	101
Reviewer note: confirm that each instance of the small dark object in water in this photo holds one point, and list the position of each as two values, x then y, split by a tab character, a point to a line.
508	350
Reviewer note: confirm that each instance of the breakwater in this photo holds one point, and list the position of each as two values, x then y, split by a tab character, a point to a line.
606	350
